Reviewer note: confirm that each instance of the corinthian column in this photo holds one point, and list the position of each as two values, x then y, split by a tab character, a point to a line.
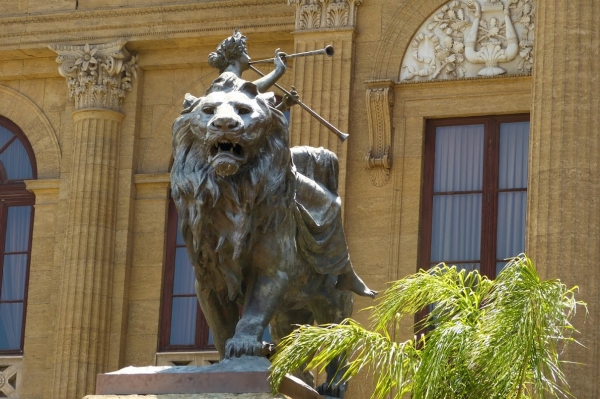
563	224
324	83
98	77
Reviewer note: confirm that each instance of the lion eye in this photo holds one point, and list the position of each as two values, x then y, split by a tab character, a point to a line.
244	111
208	110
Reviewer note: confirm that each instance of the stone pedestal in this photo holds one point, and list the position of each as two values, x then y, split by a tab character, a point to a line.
242	378
193	396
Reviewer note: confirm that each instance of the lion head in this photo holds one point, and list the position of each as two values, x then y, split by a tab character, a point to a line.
232	158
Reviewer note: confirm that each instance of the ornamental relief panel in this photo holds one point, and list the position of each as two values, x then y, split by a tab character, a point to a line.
315	14
11	378
472	38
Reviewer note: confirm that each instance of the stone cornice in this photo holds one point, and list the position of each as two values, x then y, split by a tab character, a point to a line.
133	23
131	11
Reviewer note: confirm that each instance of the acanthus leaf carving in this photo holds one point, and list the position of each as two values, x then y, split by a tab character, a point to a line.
337	13
472	38
315	14
380	99
98	75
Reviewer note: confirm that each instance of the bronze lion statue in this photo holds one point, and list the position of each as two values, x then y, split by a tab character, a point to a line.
261	222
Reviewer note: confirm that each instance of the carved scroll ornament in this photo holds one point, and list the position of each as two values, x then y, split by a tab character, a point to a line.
315	14
469	38
380	99
98	75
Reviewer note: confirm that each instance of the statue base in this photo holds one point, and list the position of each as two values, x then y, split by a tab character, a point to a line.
242	378
193	396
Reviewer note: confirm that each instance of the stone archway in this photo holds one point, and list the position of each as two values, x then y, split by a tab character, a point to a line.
460	40
396	39
32	121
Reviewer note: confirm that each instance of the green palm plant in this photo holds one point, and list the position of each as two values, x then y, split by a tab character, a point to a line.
481	338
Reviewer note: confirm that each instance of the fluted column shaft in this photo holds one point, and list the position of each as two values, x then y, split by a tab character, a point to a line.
324	84
83	323
563	225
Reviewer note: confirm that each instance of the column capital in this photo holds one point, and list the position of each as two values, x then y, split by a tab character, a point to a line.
98	75
318	14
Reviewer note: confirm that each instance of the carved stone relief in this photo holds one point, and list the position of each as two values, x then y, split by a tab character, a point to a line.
98	75
11	369
472	38
314	14
380	99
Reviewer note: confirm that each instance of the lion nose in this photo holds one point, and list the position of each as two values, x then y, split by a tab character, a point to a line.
225	123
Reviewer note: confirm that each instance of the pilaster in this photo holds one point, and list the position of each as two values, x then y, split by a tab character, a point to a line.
563	221
323	83
98	77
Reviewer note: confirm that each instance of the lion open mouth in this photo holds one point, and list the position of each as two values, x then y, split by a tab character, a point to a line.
224	147
226	157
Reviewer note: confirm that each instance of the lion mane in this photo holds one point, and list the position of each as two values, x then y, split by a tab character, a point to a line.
254	200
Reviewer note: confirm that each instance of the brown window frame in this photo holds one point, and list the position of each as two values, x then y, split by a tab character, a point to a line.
201	336
14	193
489	189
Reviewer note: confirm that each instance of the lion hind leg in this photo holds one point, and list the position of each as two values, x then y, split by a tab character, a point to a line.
221	317
285	323
335	309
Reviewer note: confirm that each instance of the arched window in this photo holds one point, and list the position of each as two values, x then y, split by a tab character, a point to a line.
17	163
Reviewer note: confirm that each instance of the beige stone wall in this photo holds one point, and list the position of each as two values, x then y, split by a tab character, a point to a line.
172	40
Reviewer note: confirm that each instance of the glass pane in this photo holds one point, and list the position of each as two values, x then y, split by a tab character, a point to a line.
13	277
183	321
179	237
500	267
16	161
267	335
210	337
458	158
469	267
184	278
5	135
11	323
511	224
456	231
17	229
514	151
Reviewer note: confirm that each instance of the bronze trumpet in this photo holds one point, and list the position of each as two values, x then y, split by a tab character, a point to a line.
341	135
328	51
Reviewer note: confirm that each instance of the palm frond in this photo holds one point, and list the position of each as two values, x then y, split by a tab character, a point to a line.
317	346
524	322
452	291
497	339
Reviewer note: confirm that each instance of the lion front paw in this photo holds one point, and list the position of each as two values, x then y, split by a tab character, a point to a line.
237	347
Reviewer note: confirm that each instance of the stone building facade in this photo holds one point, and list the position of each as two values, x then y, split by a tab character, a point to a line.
90	88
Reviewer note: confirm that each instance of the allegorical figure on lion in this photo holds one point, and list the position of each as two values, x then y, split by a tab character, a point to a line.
262	222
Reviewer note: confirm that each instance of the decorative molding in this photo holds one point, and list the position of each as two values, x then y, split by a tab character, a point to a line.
11	376
315	14
152	185
462	36
380	100
97	75
45	190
